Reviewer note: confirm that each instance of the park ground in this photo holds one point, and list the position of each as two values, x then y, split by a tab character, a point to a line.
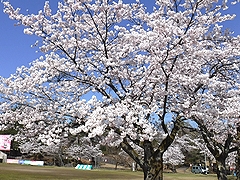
26	172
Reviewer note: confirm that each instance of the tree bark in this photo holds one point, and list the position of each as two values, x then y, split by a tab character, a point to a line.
152	164
154	171
221	170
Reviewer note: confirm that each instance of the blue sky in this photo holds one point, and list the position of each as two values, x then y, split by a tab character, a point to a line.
15	46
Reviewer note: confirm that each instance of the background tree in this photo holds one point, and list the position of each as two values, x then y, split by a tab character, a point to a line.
220	135
115	155
174	156
148	72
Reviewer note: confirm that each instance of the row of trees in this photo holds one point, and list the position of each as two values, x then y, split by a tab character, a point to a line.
126	77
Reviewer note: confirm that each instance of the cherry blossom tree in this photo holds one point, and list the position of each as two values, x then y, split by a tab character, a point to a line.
83	148
217	120
174	155
80	148
221	145
123	76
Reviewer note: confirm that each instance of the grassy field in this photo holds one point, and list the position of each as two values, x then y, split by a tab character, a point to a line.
16	172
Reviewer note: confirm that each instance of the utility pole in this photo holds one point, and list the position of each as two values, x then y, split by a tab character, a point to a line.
205	159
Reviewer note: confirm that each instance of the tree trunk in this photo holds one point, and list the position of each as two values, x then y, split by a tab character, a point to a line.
152	162
173	169
154	171
221	170
116	164
60	160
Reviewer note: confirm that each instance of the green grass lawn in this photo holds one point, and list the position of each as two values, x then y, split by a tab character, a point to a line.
26	172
